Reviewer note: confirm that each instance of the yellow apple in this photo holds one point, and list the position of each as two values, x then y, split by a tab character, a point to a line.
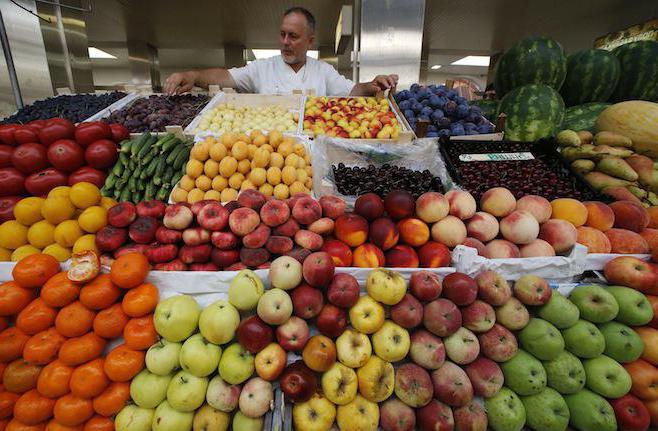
367	315
360	414
376	379
386	286
391	342
316	414
339	384
353	348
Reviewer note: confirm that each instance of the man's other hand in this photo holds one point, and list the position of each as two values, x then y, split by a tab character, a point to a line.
385	82
180	82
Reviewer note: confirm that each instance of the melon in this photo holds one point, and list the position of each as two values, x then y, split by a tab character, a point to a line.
592	75
636	119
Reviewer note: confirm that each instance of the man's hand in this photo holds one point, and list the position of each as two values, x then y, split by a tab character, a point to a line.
180	82
385	82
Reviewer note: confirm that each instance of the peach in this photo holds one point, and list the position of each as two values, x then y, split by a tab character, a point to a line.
252	199
432	207
243	221
599	215
384	233
278	244
307	239
322	226
399	204
625	241
254	257
501	249
306	210
498	201
274	212
570	210
537	248
289	228
258	237
462	204
332	206
630	215
434	255
368	256
369	206
538	206
520	227
482	226
450	231
402	256
352	229
476	244
593	239
651	237
560	234
653	217
340	252
413	231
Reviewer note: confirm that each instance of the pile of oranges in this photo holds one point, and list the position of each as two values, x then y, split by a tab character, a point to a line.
55	370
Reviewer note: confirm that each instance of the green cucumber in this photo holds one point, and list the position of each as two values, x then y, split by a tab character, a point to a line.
146	148
162	194
174	153
118	168
137	146
167	146
149	156
125	195
124	158
110	180
183	157
163	140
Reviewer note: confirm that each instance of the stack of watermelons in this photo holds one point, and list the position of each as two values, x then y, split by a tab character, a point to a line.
530	74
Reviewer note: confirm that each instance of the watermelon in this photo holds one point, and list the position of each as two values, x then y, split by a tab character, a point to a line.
533	112
639	71
488	107
583	117
535	60
591	77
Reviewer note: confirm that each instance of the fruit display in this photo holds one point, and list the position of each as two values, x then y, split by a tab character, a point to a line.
639	71
227	118
65	222
592	75
583	117
62	366
635	120
448	113
220	168
351	117
148	167
73	107
153	113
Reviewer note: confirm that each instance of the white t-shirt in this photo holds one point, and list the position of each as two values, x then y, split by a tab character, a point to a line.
273	76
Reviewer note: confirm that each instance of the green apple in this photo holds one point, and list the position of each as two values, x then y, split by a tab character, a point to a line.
176	318
561	312
245	423
622	343
245	290
584	340
505	411
524	374
162	357
166	418
218	322
541	339
590	412
634	308
148	390
199	356
595	303
133	418
186	392
565	373
546	411
210	419
236	365
606	377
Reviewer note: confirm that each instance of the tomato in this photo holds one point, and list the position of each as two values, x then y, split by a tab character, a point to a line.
87	133
7	205
85	266
7	134
66	155
101	154
119	132
12	182
24	134
89	175
41	183
5	155
30	158
37	124
55	129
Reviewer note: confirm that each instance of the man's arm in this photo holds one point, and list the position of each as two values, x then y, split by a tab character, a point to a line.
379	83
182	82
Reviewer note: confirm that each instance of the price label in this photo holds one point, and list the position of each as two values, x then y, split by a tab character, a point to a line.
496	157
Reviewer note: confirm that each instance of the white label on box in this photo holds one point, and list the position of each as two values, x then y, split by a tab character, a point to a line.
496	157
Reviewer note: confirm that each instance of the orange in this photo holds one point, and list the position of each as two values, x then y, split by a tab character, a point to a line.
140	333
33	408
129	270
123	363
59	291
74	320
35	270
89	380
109	323
42	348
141	300
53	382
36	317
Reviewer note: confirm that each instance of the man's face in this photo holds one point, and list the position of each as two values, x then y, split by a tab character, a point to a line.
295	38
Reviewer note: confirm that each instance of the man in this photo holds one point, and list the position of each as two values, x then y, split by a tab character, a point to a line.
281	74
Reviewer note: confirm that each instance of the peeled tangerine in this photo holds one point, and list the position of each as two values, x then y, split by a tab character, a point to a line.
385	286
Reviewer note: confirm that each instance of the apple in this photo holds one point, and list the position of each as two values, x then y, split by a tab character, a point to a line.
318	269
307	301
541	339
376	379
162	357
462	347
470	417
198	356
478	316
546	410
425	285
168	418
245	423
606	377
622	343
632	272
532	290
293	334
590	411
186	392
413	385
254	334
210	419
331	321
285	273
595	303
493	288
451	385
498	343
315	414
436	416
147	390
298	382
274	307
245	290
134	418
427	350
561	312
353	348
524	374
367	315
631	414
176	317
256	397
505	411
319	354
442	317
565	373
218	322
634	308
485	376
270	362
343	291
391	342
385	286
396	416
513	315
236	364
221	395
584	340
459	288
407	313
339	384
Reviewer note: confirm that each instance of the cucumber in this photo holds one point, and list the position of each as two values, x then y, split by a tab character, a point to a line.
125	195
149	193
124	158
149	156
126	146
143	151
132	184
150	170
176	178
162	194
163	140
183	157
110	180
137	146
174	153
141	185
170	144
118	168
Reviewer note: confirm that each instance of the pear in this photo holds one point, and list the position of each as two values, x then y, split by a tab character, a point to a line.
583	166
568	138
617	167
612	139
600	181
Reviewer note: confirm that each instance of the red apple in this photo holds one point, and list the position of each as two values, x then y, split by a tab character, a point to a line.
254	334
451	385
478	316
498	343
331	321
471	417
298	382
318	269
442	317
425	285
293	334
486	377
493	288
459	288
532	290
343	290
306	301
435	416
631	413
407	313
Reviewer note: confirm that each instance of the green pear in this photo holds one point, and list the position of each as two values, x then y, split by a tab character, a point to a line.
546	411
582	166
584	340
622	343
167	418
601	181
524	374
606	377
148	390
568	138
236	364
186	392
565	373
595	303
617	167
590	412
541	339
634	308
505	411
559	311
245	290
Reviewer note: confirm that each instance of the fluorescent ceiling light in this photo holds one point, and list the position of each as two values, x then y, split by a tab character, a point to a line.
267	53
472	60
98	53
436	66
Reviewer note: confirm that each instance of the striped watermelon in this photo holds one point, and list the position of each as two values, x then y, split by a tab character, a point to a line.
535	60
488	107
591	77
533	112
583	117
639	71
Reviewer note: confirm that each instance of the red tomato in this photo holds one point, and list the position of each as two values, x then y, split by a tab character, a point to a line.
87	133
24	134
37	124
101	154
41	183
66	155
7	205
5	155
12	182
119	132
30	158
7	134
56	129
89	175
